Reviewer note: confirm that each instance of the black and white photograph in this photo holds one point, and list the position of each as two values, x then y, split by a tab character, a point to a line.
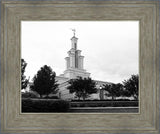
79	66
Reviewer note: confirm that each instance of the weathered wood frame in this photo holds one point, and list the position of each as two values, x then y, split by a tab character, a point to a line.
13	12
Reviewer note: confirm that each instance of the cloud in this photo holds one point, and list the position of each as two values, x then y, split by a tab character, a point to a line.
110	47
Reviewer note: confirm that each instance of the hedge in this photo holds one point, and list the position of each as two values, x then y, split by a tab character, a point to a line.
29	95
44	105
95	100
105	104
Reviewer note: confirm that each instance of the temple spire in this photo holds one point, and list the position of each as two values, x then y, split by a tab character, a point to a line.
74	61
74	40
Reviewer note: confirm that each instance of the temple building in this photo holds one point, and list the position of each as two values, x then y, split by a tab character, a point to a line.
74	68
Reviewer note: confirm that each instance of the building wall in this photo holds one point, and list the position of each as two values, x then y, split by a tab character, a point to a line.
64	92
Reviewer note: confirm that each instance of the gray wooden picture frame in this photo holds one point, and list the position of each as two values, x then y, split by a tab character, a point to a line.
13	12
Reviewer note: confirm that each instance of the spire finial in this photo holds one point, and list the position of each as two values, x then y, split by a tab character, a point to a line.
74	32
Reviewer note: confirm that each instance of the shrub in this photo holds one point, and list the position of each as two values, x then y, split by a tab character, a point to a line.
29	95
104	104
44	105
51	97
96	100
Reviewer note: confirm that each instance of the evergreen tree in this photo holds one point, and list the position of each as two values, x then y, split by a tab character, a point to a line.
44	81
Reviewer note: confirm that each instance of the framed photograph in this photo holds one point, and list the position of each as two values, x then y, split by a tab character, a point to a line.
80	66
104	88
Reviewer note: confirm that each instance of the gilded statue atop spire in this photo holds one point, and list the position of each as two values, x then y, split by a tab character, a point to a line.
74	32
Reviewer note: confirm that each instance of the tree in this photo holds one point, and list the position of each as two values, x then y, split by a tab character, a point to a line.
131	86
113	90
24	81
44	81
82	87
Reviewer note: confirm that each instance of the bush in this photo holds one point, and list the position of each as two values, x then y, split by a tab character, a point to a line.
29	95
51	97
96	100
44	105
104	104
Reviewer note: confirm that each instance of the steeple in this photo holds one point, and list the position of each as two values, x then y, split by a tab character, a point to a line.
74	61
74	40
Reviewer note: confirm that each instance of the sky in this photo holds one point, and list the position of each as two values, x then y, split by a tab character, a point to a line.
110	48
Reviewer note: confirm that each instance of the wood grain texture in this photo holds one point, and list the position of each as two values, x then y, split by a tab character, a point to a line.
13	12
